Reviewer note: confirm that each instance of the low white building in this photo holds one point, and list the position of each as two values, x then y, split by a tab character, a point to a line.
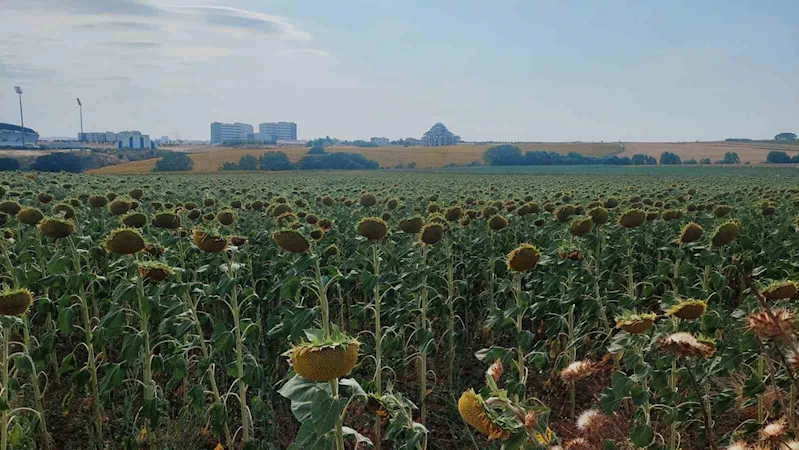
15	135
134	139
98	136
380	141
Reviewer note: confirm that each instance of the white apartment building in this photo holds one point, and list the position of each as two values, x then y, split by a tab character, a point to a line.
286	131
223	132
134	139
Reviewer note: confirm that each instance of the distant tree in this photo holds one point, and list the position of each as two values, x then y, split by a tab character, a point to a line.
669	159
776	157
362	143
730	158
503	155
785	137
704	161
337	161
59	162
399	165
316	150
248	162
229	166
795	158
690	162
323	142
275	161
174	162
411	165
8	164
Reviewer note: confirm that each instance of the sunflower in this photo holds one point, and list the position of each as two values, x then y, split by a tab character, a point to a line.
688	309
10	207
154	271
324	361
684	344
453	214
368	200
44	198
632	218
591	421
372	228
431	234
578	370
56	228
291	241
497	223
690	232
118	207
636	323
15	302
30	216
124	241
475	413
226	217
780	290
209	243
725	233
523	258
581	226
134	220
167	221
599	215
761	324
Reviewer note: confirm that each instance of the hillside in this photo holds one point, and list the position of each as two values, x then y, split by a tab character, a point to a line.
208	160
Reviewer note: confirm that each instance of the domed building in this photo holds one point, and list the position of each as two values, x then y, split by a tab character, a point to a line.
12	136
439	136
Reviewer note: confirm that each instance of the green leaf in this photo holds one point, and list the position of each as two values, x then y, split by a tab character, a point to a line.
356	390
359	438
112	378
642	435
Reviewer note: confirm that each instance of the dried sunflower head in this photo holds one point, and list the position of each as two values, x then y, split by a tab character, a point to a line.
497	223
56	228
372	228
291	241
780	290
725	233
636	323
581	226
15	302
477	414
578	370
688	309
684	344
632	218
124	241
690	232
761	324
431	234
523	258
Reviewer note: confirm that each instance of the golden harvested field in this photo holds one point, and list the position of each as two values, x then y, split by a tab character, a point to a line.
206	161
753	152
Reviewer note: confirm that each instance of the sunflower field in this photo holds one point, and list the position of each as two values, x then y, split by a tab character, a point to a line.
392	310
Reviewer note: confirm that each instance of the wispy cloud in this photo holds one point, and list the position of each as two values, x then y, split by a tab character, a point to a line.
135	44
240	19
118	25
115	7
10	70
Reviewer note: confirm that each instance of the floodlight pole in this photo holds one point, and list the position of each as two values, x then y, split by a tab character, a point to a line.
18	90
80	106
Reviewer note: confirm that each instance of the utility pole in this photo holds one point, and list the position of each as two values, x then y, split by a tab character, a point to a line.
80	106
18	90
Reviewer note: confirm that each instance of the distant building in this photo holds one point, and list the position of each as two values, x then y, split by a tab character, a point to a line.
98	136
286	131
411	142
14	135
291	143
225	132
380	141
134	139
439	136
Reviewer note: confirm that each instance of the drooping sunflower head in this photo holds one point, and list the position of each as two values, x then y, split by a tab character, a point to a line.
779	329
691	232
154	271
599	215
725	233
368	199
523	258
431	234
124	241
167	220
780	290
15	302
324	359
373	228
44	198
722	210
563	213
632	218
578	370
56	228
497	223
10	207
208	242
636	323
591	421
475	413
291	241
136	193
685	344
688	309
286	219
581	226
226	217
30	216
134	220
238	241
118	206
453	214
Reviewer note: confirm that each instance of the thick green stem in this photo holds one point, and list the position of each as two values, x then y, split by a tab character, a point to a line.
451	306
572	358
378	341
234	303
423	350
37	392
517	284
4	395
144	324
322	291
673	387
708	421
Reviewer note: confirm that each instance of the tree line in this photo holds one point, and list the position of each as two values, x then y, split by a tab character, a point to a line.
316	159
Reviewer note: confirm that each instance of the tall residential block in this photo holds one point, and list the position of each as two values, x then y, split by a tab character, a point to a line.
286	131
224	132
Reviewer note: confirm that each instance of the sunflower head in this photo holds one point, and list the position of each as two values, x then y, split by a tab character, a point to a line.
761	324
578	370
118	207
124	241
475	413
685	344
323	359
497	223
136	193
780	290
134	220
581	226
291	241
209	243
725	233
431	234
690	232
10	207
632	218
636	323
523	258
368	199
154	271
167	220
238	241
226	217
30	216
688	309
599	215
721	210
44	198
56	228
15	302
373	228
453	214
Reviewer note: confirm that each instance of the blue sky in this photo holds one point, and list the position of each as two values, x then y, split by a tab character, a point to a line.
500	70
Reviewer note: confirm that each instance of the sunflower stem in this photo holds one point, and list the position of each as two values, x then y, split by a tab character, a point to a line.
234	303
378	340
